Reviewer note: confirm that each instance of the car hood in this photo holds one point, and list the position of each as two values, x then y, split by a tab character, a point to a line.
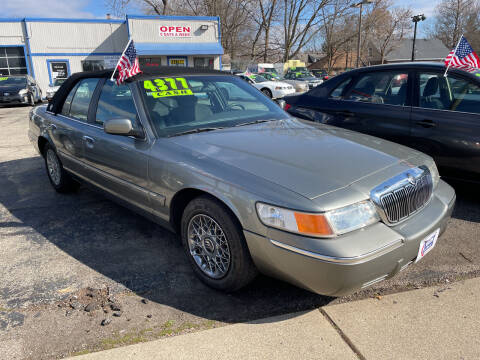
273	83
307	158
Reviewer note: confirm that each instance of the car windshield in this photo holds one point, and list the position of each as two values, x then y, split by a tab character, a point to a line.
259	78
12	80
183	104
58	82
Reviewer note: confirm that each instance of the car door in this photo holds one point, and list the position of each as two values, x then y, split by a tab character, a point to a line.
66	129
376	103
446	122
117	164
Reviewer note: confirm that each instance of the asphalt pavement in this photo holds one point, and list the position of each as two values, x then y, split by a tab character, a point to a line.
59	250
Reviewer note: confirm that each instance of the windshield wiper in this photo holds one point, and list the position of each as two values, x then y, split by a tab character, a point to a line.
254	122
197	130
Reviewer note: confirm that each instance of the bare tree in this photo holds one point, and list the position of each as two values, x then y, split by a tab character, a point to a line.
159	7
300	24
389	29
452	18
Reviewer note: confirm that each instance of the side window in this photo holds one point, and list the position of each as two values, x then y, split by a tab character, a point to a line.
338	91
381	87
81	99
68	101
450	93
115	102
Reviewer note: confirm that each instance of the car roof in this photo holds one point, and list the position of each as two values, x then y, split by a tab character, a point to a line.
412	65
59	97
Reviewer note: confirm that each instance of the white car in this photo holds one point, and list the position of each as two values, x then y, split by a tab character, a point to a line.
273	89
52	88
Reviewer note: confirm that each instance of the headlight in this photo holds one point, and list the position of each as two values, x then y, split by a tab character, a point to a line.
23	92
328	224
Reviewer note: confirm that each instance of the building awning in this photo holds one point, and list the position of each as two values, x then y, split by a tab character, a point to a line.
179	48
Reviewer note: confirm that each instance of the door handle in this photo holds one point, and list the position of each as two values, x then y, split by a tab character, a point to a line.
89	141
426	123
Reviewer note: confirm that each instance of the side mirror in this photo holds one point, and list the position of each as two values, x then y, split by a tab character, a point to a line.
121	127
281	103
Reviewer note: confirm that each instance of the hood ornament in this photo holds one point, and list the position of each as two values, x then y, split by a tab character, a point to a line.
411	179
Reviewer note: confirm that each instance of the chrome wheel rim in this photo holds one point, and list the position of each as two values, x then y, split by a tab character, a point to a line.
208	246
53	167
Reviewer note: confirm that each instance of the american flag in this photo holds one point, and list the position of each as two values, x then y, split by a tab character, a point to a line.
128	64
462	56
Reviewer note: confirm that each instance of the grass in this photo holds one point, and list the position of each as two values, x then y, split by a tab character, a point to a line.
166	329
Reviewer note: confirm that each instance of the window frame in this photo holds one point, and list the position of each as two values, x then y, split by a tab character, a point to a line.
410	82
96	98
92	111
416	92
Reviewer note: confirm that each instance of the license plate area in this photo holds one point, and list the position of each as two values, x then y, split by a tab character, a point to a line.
427	244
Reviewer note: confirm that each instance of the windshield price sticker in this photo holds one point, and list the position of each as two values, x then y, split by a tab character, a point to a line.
3	78
167	87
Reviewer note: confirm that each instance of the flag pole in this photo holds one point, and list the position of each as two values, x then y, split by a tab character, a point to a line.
454	52
118	62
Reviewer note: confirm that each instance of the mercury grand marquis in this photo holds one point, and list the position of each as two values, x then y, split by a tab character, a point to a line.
247	187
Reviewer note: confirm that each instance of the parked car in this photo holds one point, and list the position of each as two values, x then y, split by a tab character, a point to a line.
247	187
52	88
412	104
320	73
272	89
19	89
302	78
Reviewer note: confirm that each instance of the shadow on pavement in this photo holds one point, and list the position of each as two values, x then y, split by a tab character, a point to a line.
468	200
129	249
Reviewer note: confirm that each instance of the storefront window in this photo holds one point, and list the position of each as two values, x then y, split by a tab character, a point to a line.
93	65
12	61
203	62
150	62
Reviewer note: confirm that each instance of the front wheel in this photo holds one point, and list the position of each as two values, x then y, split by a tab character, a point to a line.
267	92
214	243
59	178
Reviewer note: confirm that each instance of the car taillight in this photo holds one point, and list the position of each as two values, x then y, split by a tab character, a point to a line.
287	106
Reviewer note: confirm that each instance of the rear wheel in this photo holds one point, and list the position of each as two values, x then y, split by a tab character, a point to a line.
61	181
214	243
267	92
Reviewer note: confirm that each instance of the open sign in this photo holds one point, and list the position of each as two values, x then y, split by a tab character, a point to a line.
175	31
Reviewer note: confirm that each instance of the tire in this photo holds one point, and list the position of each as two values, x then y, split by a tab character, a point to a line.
240	270
267	92
61	181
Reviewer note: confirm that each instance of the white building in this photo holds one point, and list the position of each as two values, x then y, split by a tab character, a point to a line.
50	48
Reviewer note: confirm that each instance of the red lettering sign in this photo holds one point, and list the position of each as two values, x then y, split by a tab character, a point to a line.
175	31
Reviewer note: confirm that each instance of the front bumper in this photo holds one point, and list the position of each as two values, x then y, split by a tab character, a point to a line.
343	265
14	99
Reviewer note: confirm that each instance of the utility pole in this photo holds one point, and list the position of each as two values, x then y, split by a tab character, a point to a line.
416	19
360	5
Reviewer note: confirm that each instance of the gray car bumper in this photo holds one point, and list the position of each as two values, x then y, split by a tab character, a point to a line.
348	263
13	99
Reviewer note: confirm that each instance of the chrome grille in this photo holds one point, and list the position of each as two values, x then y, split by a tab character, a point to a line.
403	195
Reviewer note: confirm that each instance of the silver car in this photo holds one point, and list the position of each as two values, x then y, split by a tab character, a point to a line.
247	187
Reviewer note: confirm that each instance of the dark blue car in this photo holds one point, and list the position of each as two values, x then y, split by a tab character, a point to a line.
409	103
